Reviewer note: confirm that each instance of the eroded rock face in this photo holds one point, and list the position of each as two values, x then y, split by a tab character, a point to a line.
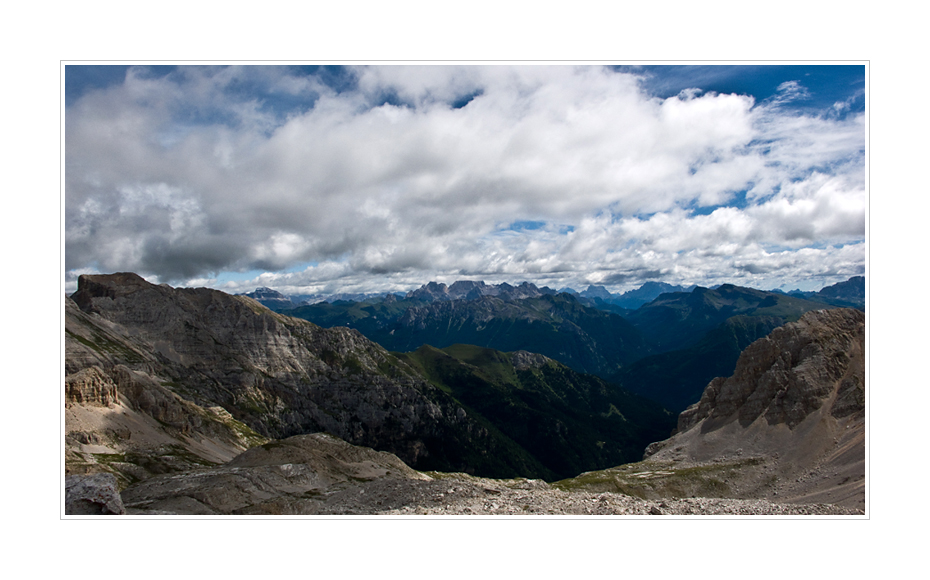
787	375
794	406
523	360
90	386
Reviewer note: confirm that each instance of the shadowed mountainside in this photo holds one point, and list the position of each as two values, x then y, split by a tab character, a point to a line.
566	419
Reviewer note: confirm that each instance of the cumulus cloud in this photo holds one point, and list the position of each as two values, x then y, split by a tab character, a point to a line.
401	174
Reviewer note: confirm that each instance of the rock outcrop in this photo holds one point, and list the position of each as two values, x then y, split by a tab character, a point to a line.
90	386
175	393
789	374
289	476
92	495
792	413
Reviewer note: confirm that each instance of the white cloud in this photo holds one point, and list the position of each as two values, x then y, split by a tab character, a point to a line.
185	176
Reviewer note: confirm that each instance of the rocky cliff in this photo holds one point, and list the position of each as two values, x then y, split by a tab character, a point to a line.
792	415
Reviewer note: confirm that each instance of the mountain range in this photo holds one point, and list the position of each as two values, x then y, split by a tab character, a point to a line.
183	359
191	401
666	349
850	293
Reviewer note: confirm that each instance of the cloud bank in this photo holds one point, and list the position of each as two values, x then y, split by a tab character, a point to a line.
383	178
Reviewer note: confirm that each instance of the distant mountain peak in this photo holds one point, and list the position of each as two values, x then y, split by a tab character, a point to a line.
264	291
596	292
472	290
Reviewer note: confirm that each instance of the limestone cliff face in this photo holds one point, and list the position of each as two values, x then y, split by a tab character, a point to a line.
279	375
791	373
90	386
796	404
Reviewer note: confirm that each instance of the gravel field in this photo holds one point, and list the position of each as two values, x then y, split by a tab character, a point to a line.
464	495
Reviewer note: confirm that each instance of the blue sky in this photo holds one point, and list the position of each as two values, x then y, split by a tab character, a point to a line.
313	179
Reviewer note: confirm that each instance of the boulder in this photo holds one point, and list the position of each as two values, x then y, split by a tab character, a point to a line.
96	495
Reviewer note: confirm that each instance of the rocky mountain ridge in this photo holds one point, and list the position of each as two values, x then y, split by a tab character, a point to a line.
795	405
472	290
278	375
666	350
167	357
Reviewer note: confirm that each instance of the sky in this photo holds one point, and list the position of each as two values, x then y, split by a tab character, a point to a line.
324	179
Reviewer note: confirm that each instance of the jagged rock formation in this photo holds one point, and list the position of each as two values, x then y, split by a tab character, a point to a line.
792	414
472	290
121	416
90	386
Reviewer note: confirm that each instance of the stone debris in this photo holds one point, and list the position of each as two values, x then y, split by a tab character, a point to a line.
464	495
92	495
474	497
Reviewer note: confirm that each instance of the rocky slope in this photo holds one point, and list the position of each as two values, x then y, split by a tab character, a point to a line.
321	475
788	424
181	356
122	417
